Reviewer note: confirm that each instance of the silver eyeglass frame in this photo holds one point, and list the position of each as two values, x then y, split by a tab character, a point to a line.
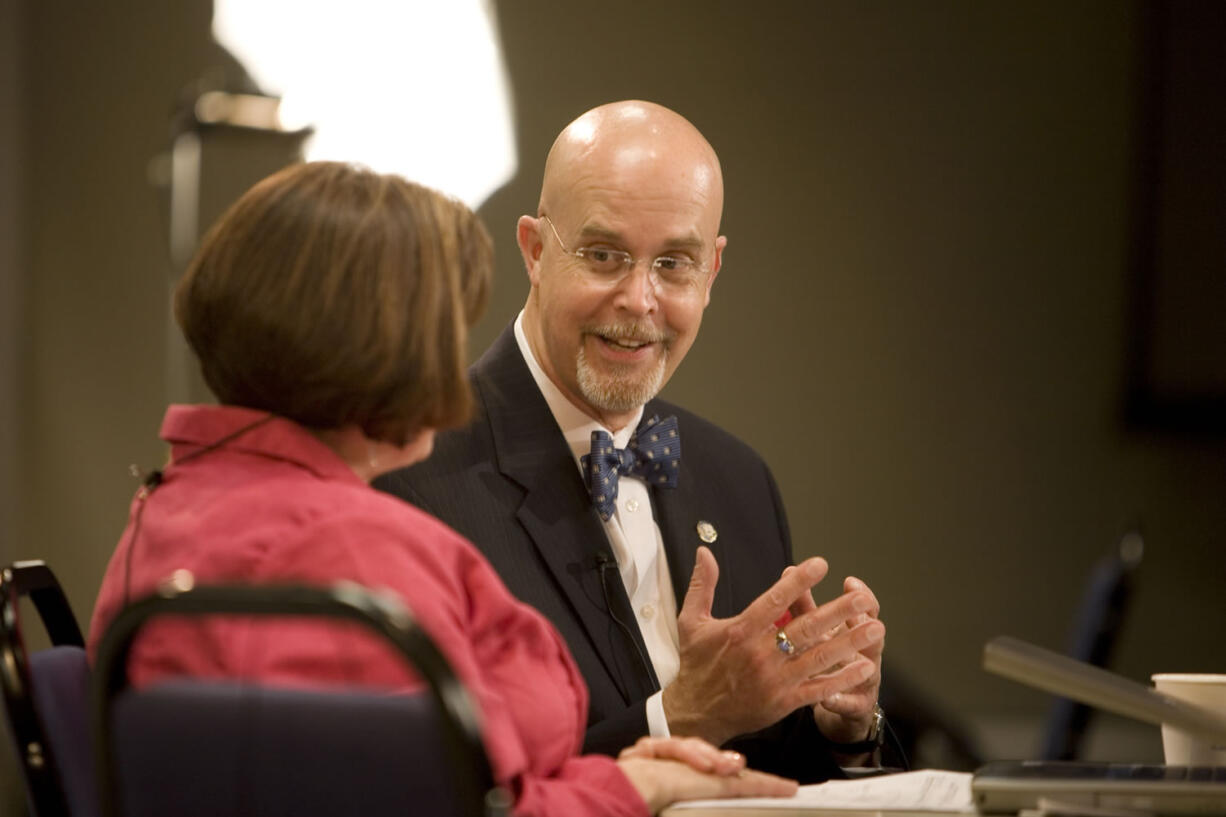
689	266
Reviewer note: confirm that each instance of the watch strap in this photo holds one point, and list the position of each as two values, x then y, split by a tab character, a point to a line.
876	736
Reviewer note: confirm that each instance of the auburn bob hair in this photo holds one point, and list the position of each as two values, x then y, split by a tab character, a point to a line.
333	295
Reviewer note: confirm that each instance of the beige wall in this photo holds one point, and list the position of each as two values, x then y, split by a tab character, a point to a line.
100	84
921	321
10	313
97	85
11	278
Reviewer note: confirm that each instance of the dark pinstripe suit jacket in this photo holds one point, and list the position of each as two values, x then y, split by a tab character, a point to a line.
509	483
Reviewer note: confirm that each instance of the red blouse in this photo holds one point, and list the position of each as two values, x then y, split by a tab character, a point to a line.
276	505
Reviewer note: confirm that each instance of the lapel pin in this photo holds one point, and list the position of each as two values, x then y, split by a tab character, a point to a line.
707	532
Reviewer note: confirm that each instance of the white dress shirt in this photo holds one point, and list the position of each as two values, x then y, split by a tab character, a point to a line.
633	534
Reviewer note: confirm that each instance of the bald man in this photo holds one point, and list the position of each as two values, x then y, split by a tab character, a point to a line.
670	578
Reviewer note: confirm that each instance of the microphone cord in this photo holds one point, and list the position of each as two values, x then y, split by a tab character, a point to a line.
604	563
154	478
891	737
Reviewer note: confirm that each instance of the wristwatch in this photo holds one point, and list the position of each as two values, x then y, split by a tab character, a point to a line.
871	743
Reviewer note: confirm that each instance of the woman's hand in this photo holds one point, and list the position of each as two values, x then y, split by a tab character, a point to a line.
665	770
693	752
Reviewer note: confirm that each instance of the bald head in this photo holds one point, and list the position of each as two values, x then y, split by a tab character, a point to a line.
621	255
631	139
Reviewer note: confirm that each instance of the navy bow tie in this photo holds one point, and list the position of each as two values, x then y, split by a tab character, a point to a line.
654	454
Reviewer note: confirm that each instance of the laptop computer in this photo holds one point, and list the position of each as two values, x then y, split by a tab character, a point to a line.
1008	786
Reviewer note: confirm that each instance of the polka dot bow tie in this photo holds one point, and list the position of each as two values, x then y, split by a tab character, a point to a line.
654	454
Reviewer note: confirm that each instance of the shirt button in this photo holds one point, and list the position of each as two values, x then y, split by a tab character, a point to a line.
647	611
632	505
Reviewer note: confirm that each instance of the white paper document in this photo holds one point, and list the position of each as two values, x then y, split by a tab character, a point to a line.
927	790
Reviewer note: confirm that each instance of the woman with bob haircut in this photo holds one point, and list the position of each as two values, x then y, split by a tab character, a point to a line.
329	308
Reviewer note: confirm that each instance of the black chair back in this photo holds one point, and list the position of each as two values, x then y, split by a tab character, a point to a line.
206	747
1100	618
46	695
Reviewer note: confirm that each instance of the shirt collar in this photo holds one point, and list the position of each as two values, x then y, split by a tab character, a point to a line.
189	428
576	426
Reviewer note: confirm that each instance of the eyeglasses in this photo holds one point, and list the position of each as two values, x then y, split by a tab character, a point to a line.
674	271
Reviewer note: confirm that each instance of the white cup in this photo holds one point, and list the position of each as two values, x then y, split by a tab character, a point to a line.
1206	690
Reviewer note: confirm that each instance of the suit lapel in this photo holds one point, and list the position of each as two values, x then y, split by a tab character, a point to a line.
556	511
678	512
675	510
